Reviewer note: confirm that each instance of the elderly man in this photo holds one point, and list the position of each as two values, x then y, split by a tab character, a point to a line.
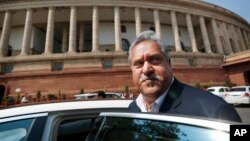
160	91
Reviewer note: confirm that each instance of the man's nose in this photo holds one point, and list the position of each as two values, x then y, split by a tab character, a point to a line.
147	68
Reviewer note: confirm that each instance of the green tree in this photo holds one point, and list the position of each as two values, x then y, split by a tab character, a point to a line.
59	94
81	91
229	84
4	98
18	97
197	84
38	94
51	96
126	88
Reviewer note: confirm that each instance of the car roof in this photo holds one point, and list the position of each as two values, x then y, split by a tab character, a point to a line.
240	86
64	106
86	94
112	93
217	87
203	122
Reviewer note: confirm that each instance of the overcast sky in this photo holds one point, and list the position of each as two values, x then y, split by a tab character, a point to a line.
240	7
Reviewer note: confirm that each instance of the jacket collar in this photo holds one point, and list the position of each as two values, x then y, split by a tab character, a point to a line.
173	98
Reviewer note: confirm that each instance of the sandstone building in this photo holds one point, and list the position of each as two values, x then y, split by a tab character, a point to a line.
52	45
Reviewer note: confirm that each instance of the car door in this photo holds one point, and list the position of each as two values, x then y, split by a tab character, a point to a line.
156	127
221	92
72	124
237	93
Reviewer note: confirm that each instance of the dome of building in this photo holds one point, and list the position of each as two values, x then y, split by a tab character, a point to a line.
66	46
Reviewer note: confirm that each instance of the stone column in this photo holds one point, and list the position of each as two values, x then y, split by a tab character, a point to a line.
205	35
191	33
117	29
137	21
4	43
50	31
228	45
243	46
248	35
81	37
72	30
27	32
245	38
65	38
175	32
157	23
216	37
236	44
95	29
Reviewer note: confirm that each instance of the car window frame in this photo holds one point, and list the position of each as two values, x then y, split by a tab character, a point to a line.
193	121
102	131
55	118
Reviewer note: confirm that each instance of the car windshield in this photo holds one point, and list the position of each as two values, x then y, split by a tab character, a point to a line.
124	129
238	90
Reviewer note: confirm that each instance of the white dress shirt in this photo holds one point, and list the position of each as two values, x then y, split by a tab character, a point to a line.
155	106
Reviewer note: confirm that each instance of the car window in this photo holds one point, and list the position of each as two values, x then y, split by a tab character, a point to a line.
74	129
211	90
238	89
109	96
227	89
128	129
115	96
221	90
84	97
15	130
112	96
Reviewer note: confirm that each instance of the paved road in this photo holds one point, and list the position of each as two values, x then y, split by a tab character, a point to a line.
244	112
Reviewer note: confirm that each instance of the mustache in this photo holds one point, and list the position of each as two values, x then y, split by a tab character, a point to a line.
151	77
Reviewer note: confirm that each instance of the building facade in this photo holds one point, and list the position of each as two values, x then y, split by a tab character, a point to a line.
61	45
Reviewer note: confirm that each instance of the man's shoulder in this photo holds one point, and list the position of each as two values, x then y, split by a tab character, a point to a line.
193	92
133	107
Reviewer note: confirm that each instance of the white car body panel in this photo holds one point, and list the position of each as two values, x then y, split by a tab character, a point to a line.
238	97
216	91
63	106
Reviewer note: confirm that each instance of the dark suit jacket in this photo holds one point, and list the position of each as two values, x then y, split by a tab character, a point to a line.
187	100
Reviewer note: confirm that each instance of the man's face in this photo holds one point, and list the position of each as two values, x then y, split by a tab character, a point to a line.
151	72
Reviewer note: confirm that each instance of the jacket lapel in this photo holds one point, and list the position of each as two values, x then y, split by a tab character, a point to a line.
133	107
173	98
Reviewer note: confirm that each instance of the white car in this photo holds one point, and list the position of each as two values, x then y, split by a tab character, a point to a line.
238	95
81	120
93	95
113	95
85	96
63	121
220	91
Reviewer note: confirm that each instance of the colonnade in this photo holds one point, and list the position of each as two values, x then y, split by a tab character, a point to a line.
240	38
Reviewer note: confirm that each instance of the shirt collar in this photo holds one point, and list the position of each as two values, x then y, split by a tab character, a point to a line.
157	103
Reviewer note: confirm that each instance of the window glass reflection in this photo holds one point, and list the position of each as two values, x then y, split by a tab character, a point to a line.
15	130
126	129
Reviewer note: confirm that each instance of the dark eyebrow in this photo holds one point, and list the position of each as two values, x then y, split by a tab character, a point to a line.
155	55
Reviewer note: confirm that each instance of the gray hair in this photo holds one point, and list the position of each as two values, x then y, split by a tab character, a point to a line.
149	35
